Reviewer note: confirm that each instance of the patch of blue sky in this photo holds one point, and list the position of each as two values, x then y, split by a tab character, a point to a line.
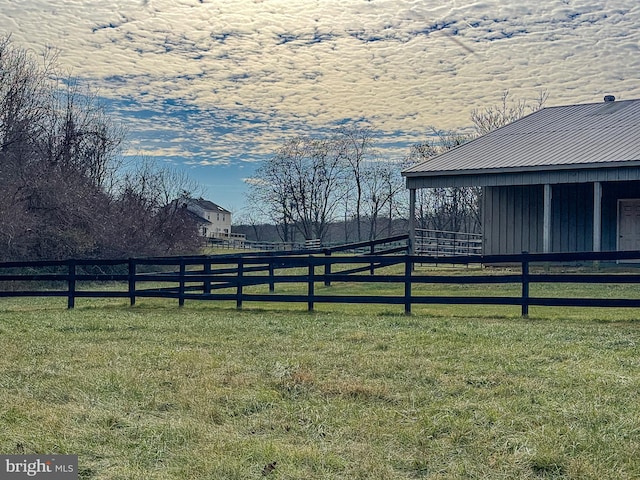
216	87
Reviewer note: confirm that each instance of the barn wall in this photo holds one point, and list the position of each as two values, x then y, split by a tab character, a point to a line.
572	218
611	193
512	219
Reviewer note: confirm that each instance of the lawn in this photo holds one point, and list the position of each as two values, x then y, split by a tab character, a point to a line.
348	392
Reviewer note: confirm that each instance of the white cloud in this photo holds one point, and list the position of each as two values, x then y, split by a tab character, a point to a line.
225	80
254	181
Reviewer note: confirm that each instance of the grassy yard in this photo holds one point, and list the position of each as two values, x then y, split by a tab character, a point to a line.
347	392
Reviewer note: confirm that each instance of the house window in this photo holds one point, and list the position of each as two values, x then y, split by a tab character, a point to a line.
208	217
204	231
223	217
218	217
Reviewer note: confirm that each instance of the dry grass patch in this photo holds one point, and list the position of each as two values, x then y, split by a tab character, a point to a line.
158	392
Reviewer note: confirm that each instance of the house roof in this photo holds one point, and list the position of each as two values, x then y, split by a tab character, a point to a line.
208	205
567	137
197	218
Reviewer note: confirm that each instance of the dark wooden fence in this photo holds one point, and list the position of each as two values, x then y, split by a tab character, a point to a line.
234	278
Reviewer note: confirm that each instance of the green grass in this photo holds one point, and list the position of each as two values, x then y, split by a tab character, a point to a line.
347	392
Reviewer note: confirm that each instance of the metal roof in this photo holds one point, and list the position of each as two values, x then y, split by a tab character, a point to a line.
565	137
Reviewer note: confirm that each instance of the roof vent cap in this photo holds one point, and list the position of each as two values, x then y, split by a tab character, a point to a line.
609	98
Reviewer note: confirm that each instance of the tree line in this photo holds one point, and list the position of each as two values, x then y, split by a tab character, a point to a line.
313	183
305	187
64	188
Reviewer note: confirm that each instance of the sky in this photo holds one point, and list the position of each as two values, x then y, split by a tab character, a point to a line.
214	87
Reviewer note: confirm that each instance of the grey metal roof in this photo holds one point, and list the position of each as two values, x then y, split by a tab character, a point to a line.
566	137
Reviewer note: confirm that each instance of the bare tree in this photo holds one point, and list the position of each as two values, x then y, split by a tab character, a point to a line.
458	208
151	201
302	185
381	186
269	195
250	218
59	158
453	208
509	110
357	150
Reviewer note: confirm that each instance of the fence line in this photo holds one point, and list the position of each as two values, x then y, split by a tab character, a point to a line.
442	242
229	277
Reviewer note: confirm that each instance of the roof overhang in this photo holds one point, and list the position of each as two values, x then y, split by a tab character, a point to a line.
548	174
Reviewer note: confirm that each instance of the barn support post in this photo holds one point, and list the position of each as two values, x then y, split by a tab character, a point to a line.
412	221
546	224
597	216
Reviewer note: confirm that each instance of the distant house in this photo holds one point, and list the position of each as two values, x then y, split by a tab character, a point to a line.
562	179
213	220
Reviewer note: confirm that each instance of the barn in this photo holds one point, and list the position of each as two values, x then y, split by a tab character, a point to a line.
562	179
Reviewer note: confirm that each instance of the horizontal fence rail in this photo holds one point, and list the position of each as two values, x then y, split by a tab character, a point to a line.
442	242
253	278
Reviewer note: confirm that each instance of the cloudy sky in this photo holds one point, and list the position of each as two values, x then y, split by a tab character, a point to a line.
214	86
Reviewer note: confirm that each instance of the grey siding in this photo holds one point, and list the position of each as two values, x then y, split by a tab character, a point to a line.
611	193
599	173
512	219
572	218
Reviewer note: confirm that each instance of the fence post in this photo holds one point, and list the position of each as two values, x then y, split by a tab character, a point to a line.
206	287
310	290
71	299
240	283
132	282
327	268
183	272
525	284
408	266
372	250
272	276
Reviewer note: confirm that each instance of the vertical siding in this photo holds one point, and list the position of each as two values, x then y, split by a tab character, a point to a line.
536	213
513	216
611	193
518	226
572	217
577	227
486	220
491	220
512	219
502	219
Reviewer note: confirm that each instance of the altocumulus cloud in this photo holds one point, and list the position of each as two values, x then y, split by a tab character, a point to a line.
218	84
